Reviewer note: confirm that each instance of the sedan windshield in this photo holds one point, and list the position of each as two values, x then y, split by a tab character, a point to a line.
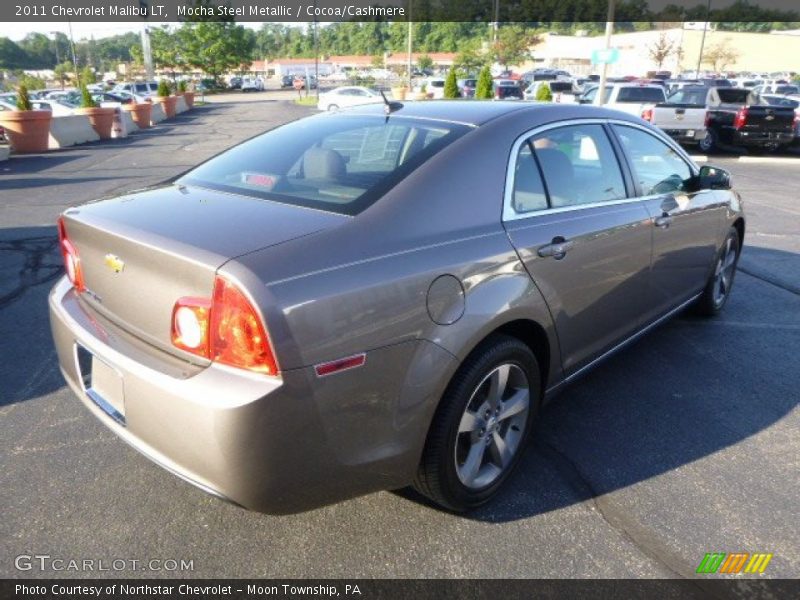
336	163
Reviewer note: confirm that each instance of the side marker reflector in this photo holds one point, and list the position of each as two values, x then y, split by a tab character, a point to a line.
342	364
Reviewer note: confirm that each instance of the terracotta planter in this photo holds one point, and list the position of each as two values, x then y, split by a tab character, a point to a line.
102	120
189	97
140	113
27	130
399	93
168	104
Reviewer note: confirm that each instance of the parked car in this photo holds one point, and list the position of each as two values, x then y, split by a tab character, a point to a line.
252	84
562	91
358	301
780	89
343	97
737	117
235	83
507	89
145	89
286	81
633	98
467	87
435	87
683	115
791	102
109	99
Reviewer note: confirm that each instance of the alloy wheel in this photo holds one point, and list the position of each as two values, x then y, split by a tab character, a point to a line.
723	273
492	425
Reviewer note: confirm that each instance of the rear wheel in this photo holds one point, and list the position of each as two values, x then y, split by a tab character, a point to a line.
333	107
708	143
719	285
481	426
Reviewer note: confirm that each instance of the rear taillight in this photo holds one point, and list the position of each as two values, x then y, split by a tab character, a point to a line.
647	115
740	120
72	262
707	120
226	329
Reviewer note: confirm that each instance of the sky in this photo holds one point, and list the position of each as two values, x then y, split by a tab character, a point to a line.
17	31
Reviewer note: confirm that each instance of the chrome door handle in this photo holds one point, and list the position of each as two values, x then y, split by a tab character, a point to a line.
663	221
558	249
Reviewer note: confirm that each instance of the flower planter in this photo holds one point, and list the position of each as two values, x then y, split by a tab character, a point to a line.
27	131
168	103
140	113
399	93
189	97
102	120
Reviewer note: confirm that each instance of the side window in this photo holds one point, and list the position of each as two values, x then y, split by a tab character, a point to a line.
657	167
579	165
528	194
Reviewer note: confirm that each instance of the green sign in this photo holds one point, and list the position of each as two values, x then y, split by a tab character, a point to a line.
605	56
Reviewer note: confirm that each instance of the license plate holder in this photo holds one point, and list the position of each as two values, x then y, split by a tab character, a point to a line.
102	384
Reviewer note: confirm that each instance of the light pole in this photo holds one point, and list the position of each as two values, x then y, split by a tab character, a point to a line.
601	90
703	40
55	43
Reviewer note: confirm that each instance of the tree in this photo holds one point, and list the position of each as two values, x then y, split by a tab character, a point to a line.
543	93
662	49
513	45
424	62
720	55
166	50
215	47
377	61
39	50
483	91
12	56
451	85
468	61
63	72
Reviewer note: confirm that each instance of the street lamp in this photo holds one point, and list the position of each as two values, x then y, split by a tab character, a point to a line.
55	43
703	40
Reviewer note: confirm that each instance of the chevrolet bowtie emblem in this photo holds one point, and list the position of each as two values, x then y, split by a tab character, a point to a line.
115	263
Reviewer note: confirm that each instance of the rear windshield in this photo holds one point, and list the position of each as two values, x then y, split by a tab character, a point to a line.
337	163
640	94
694	96
437	84
470	82
735	96
560	86
786	89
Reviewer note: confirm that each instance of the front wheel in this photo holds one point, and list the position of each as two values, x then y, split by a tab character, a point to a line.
720	282
333	108
481	426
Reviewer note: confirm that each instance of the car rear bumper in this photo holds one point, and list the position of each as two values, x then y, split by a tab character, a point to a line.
761	138
277	445
686	136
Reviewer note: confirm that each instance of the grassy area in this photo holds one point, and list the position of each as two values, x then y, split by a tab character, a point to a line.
306	101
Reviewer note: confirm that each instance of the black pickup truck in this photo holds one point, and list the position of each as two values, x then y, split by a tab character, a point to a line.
735	117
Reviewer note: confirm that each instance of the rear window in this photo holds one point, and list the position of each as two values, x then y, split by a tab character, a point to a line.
735	96
640	94
786	89
560	86
693	96
470	82
437	84
336	163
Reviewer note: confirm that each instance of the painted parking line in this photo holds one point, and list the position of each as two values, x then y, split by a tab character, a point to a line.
699	158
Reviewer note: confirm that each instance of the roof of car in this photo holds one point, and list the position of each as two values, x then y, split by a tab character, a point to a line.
470	112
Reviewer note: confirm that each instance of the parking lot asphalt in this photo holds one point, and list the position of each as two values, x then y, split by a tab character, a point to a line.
685	443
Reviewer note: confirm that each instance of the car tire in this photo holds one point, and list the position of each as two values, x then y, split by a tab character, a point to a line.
718	288
333	107
709	143
472	448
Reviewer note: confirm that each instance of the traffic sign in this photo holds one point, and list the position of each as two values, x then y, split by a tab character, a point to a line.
605	56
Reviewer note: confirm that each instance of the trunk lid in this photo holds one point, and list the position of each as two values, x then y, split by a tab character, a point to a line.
142	251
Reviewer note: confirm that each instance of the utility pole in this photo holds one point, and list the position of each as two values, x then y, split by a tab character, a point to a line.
410	35
703	40
55	43
601	90
147	51
496	24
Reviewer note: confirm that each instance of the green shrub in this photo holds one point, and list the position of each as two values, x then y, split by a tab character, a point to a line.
23	100
182	86
86	97
451	85
483	91
543	94
163	88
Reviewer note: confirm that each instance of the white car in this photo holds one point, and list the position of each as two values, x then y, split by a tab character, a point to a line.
562	91
252	84
633	98
342	97
140	88
57	109
435	87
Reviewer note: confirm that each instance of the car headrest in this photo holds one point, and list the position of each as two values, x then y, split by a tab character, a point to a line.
323	164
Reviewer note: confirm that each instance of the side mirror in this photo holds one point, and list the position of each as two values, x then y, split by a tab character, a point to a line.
714	178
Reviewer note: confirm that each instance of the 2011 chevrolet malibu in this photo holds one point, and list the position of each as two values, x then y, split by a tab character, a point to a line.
382	296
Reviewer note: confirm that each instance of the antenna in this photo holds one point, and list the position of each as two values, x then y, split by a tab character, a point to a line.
390	107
